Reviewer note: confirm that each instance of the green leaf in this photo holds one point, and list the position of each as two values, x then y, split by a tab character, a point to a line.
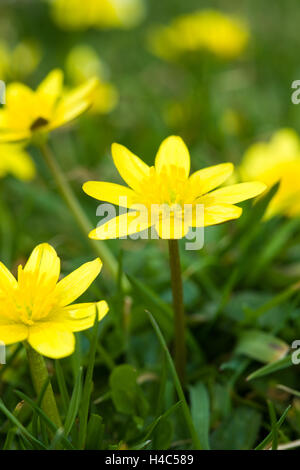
238	431
274	426
270	368
127	396
269	437
95	433
20	426
163	434
74	404
62	385
200	410
53	428
261	346
88	386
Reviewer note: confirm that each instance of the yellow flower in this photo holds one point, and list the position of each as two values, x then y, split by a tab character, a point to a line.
28	112
20	61
207	30
82	64
158	196
277	160
16	161
38	309
78	14
4	60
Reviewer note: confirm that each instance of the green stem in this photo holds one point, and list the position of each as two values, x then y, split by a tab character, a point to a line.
82	220
39	376
179	316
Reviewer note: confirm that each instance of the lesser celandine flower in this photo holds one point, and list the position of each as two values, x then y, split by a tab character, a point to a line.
38	308
14	160
168	188
274	161
32	115
156	194
84	63
20	61
78	14
28	112
207	30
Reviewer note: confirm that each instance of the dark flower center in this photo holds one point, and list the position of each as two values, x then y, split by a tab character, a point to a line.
39	122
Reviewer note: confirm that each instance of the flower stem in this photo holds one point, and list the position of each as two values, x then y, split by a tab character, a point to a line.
82	220
179	317
39	376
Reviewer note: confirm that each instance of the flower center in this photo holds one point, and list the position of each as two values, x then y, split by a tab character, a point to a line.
37	123
170	187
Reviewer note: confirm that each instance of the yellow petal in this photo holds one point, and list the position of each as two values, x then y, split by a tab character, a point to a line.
14	135
15	160
51	339
12	333
121	226
110	192
74	103
205	180
7	281
233	194
173	151
75	284
19	96
82	316
216	214
44	263
171	229
132	169
51	88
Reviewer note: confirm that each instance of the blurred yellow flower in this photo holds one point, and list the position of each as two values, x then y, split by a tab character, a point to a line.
16	161
78	14
207	30
37	308
28	112
19	62
83	63
165	190
277	160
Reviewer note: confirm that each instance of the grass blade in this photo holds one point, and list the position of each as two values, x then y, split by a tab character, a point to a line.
186	410
269	437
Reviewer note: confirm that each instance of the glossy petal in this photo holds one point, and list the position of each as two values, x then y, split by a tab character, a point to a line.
14	135
171	229
12	332
233	194
51	339
110	192
205	180
51	88
44	263
173	151
217	214
74	104
121	226
7	281
16	161
75	284
132	169
82	316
